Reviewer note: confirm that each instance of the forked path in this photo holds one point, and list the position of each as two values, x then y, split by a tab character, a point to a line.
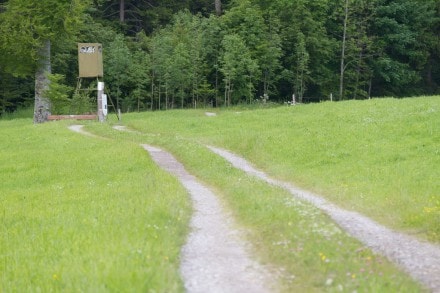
419	259
215	258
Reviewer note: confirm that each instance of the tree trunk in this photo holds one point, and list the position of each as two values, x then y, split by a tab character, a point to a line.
160	96
182	97
227	90
370	86
429	79
358	74
218	7
152	90
231	86
217	98
122	11
42	104
344	36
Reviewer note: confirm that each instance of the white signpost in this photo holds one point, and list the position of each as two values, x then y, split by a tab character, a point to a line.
101	103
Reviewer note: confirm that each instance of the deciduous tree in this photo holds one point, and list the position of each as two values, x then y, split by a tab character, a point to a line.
238	68
27	30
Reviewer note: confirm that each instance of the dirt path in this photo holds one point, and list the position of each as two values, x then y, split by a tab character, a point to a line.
79	129
419	259
215	258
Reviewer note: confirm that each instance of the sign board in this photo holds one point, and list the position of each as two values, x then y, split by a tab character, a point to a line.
90	60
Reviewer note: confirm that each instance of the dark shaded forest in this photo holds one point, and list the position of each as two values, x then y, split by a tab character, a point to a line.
180	54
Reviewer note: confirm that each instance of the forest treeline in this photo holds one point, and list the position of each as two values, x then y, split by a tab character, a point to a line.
174	54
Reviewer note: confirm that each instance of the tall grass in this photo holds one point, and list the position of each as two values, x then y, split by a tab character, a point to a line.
21	113
85	214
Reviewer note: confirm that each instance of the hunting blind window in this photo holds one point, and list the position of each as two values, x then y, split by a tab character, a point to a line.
90	60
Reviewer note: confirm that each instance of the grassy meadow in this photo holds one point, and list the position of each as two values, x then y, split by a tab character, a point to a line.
81	214
89	214
380	157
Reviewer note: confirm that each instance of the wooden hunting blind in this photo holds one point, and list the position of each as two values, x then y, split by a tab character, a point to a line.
90	66
90	60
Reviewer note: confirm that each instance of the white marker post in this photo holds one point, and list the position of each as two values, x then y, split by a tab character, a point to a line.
101	116
104	105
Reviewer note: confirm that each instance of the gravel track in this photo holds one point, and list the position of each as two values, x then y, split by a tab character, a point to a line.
418	258
79	129
215	258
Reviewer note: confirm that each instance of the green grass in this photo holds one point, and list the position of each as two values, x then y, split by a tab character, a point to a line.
85	214
380	157
21	113
112	221
325	147
303	246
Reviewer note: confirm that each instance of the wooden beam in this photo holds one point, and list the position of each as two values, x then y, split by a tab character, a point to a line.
72	117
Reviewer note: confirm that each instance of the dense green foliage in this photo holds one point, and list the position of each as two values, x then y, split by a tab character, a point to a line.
167	54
